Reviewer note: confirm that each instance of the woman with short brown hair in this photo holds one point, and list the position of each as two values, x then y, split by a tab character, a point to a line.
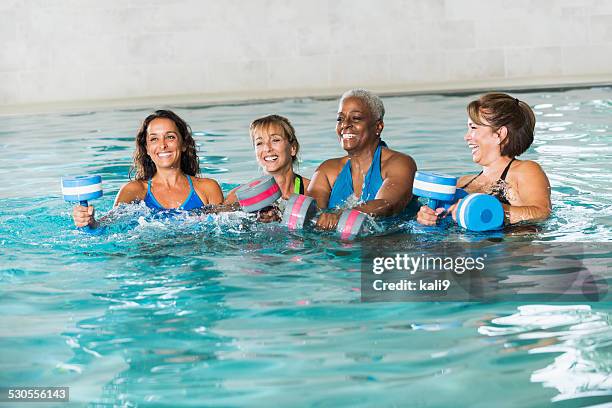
500	128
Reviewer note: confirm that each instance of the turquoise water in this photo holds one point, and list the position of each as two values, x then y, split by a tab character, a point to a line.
228	312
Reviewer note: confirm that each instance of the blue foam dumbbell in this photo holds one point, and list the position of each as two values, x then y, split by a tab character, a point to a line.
440	189
81	188
480	212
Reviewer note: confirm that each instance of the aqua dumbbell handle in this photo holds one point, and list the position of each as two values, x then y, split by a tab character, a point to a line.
459	194
433	203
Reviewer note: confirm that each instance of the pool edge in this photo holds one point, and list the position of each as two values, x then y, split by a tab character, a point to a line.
237	98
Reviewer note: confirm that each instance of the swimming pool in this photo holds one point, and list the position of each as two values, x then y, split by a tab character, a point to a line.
234	313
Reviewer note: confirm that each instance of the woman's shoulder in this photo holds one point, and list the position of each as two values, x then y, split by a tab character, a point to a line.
333	165
395	158
134	186
209	190
525	168
131	191
526	164
204	182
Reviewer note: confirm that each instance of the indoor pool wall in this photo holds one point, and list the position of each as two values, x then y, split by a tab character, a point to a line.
232	313
71	51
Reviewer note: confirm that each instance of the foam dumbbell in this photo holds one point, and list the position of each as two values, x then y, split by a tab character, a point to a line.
480	212
476	212
350	223
301	209
258	194
81	189
440	189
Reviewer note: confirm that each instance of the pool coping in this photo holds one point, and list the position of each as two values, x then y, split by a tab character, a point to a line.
264	96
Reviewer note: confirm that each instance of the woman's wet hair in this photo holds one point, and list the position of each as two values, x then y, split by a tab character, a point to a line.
500	109
143	167
265	122
374	103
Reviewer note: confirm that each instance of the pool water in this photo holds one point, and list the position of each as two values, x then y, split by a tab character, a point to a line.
225	311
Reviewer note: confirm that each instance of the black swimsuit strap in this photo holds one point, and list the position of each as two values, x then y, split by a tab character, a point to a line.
502	177
505	172
470	182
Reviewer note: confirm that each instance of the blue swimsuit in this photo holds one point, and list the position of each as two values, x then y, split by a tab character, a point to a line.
343	187
192	202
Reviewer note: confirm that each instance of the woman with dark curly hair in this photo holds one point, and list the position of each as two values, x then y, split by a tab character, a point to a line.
501	128
165	170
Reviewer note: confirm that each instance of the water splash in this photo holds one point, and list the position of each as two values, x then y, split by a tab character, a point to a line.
582	336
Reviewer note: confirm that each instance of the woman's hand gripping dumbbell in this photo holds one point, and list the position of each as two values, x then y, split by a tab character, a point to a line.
474	212
81	189
301	211
257	196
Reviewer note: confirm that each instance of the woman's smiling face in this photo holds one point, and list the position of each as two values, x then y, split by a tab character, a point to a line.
355	125
273	151
484	142
164	144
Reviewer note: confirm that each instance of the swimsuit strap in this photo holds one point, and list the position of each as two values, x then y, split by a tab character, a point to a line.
505	172
298	185
470	182
150	199
502	177
373	179
193	200
342	188
499	189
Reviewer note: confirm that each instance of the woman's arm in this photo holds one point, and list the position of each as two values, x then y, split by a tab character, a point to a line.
532	201
231	197
320	187
130	192
396	190
533	191
209	191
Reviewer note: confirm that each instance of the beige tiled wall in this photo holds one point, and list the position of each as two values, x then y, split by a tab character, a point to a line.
79	50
